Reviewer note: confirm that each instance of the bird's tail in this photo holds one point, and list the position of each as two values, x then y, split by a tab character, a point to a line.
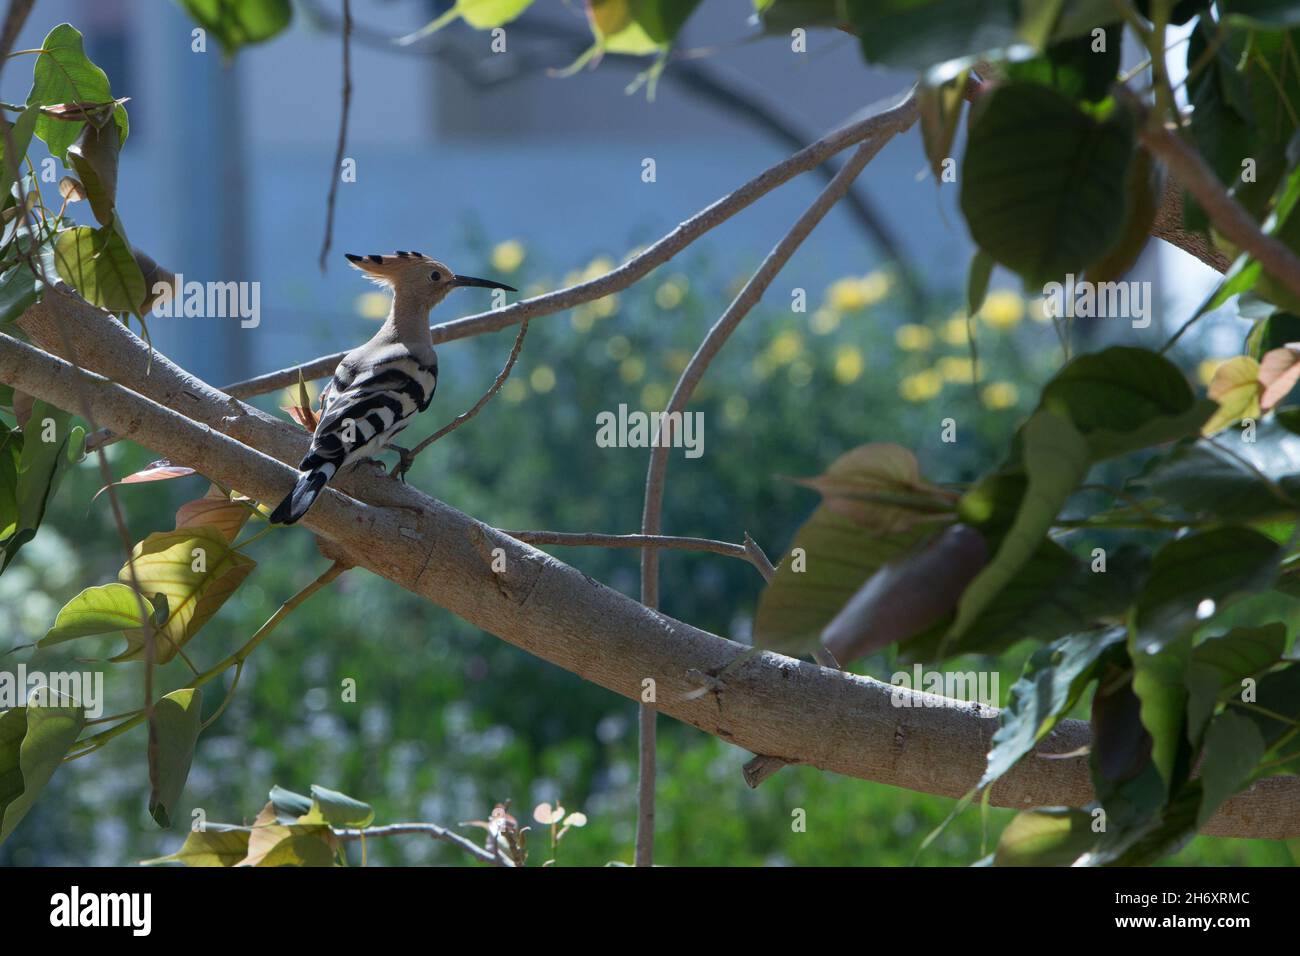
310	483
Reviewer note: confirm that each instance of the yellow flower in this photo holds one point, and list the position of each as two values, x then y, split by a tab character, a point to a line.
846	295
734	409
853	293
824	321
654	396
956	331
508	256
618	348
921	387
785	347
958	369
597	267
671	293
1003	309
848	364
676	360
542	380
514	391
631	369
913	338
874	287
372	305
999	395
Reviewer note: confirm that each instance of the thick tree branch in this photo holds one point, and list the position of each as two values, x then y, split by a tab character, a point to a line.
770	704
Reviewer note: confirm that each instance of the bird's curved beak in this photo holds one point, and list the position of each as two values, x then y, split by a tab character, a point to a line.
481	283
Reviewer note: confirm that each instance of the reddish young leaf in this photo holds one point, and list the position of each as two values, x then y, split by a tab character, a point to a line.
160	470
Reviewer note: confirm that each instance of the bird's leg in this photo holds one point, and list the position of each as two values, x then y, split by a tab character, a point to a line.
404	462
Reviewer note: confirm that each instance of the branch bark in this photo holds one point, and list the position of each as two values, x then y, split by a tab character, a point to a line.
769	704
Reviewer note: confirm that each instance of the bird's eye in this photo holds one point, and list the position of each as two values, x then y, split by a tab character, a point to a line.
436	276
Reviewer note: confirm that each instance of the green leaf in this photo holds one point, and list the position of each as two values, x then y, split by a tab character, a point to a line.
40	469
1233	747
337	809
1055	594
196	569
20	132
33	742
638	27
1189	579
1207	481
1209	566
1144	190
916	34
177	720
1043	183
875	508
1048	836
1262	14
97	610
1222	664
63	74
1056	459
19	290
11	450
1053	681
214	846
98	263
1073	67
1275	710
239	23
289	806
1124	399
94	158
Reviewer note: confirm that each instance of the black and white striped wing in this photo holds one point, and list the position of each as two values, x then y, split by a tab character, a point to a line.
364	409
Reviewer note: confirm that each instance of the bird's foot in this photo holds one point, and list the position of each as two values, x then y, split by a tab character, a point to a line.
404	462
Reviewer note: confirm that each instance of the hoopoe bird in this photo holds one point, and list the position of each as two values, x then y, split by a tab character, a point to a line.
380	386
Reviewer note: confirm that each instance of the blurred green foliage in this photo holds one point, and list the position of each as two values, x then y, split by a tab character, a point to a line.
449	720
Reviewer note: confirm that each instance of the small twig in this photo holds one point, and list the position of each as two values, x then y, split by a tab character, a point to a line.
343	133
749	551
463	417
429	830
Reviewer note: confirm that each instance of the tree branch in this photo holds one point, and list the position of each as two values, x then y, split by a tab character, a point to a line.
1225	212
899	116
771	704
463	417
429	830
